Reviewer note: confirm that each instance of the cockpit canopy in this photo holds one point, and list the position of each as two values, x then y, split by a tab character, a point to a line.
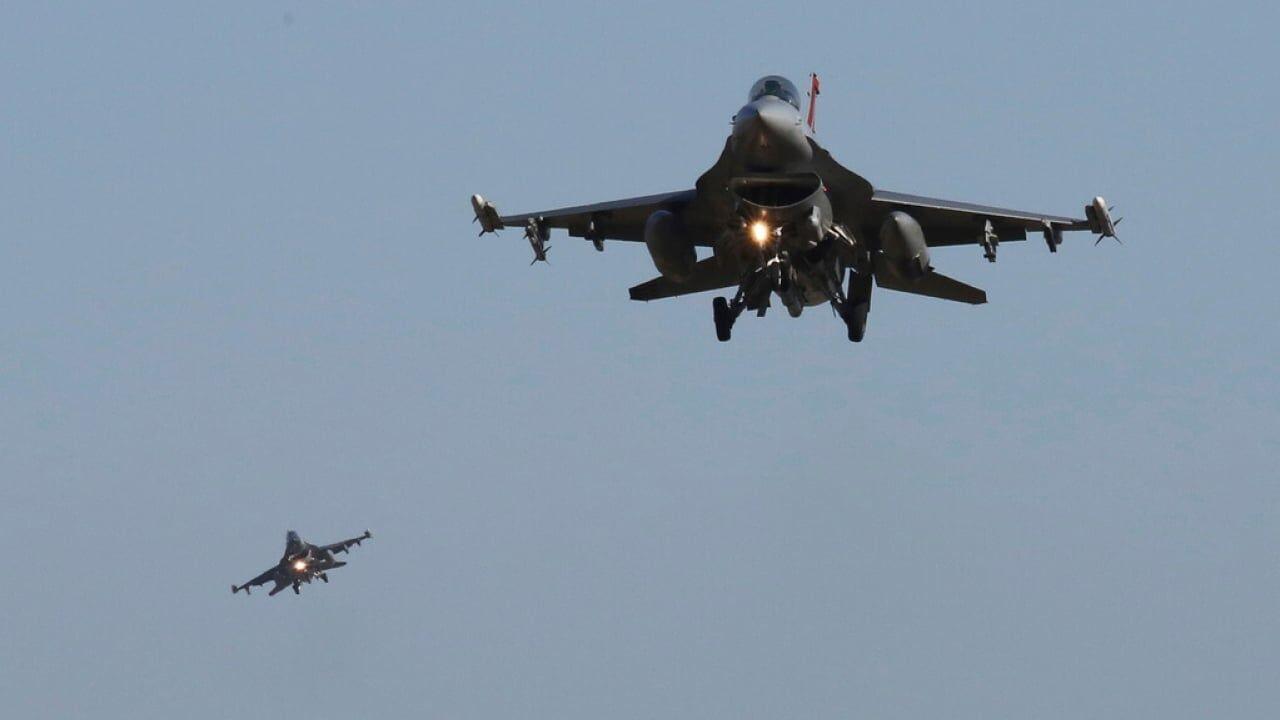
778	87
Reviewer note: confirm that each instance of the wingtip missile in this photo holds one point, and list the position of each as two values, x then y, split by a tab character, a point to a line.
1100	222
486	215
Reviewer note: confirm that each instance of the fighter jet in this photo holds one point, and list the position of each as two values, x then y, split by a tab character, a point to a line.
783	219
301	563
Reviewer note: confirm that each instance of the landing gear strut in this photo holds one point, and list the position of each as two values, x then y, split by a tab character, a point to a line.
855	308
724	316
753	294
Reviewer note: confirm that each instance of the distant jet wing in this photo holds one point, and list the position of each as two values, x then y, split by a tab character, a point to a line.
345	545
707	275
613	220
266	577
948	222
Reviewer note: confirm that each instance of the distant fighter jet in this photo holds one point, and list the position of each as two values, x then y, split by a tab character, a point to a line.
301	563
783	218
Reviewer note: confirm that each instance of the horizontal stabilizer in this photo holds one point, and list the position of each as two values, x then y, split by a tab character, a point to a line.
935	285
707	275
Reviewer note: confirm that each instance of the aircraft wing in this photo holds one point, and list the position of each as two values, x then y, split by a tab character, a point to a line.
613	220
345	545
266	577
947	222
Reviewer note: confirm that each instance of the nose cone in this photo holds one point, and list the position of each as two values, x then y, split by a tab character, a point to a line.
768	135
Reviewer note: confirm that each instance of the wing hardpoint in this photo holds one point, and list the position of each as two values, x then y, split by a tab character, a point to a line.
614	220
345	545
266	577
947	222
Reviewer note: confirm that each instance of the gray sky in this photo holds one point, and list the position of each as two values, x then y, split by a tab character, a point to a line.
240	293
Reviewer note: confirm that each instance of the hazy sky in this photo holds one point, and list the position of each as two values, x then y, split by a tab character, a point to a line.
240	293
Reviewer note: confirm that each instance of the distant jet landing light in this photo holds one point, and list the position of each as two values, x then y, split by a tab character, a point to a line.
760	232
299	566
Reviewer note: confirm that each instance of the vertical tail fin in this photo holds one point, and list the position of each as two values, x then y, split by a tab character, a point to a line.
813	102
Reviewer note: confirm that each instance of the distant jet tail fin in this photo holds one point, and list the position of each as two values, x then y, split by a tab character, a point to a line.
934	285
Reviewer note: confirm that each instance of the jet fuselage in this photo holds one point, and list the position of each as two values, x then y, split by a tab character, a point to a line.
781	218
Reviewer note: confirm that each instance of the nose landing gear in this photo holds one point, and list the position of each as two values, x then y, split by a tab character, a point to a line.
724	316
857	305
855	319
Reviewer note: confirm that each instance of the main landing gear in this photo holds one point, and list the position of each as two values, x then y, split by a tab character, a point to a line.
753	294
852	306
725	312
724	316
857	305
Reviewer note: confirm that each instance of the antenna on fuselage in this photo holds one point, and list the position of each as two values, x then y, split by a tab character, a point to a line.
813	102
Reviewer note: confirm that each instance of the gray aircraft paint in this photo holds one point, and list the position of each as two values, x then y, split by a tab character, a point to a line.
785	220
301	563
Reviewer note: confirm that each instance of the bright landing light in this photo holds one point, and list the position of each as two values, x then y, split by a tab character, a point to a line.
759	232
299	565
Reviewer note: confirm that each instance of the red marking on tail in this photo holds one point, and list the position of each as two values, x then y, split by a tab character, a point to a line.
813	101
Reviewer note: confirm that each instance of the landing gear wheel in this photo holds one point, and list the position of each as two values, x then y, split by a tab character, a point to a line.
855	317
723	317
858	305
